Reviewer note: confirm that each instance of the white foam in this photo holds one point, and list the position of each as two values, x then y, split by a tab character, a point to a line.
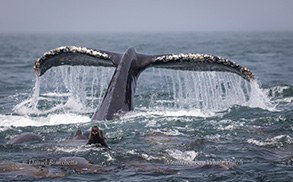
166	112
286	99
178	113
226	124
168	131
150	157
179	155
213	137
76	149
278	141
108	156
258	142
51	119
132	152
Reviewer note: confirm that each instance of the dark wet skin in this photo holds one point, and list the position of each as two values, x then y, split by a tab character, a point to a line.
97	137
25	137
78	135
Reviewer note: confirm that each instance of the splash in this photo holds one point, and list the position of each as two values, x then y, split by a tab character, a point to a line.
66	90
80	89
258	98
205	93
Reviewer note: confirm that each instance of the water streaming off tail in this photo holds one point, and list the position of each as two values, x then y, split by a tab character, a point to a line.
80	89
67	89
208	90
204	91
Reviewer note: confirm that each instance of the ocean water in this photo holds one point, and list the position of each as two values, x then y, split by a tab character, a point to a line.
185	125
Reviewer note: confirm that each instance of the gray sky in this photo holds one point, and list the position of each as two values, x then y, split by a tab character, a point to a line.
75	16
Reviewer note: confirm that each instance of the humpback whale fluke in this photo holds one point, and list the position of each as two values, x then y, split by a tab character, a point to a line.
129	65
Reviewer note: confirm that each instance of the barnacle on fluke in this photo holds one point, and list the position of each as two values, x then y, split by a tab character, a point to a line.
204	58
68	49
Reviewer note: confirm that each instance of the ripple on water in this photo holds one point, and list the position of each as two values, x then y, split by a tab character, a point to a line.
277	141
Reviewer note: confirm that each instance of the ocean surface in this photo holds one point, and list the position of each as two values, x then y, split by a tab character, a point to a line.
186	126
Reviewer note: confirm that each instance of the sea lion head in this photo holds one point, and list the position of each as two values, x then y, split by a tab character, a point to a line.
95	131
97	137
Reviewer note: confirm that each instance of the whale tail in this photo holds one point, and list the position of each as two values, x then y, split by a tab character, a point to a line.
120	92
73	56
